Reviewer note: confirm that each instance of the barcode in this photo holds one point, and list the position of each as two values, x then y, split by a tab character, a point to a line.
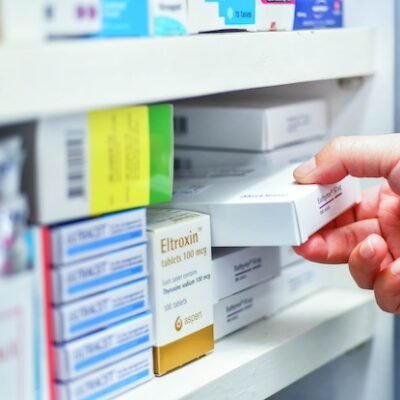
180	126
75	165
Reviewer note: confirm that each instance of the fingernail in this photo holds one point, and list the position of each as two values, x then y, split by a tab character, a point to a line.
367	250
304	169
395	268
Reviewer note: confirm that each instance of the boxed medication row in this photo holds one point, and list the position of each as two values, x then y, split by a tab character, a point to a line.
110	381
265	299
83	164
249	207
104	347
252	124
81	317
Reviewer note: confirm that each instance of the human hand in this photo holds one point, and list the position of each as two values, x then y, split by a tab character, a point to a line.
367	237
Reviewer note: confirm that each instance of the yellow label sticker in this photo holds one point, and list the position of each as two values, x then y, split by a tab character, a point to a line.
119	159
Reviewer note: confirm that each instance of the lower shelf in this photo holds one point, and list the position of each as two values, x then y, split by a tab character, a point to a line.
268	356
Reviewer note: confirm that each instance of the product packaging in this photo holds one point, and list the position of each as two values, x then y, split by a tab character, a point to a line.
237	269
168	17
72	17
110	381
179	256
318	14
249	207
80	317
275	15
98	162
252	124
102	348
93	237
97	274
194	158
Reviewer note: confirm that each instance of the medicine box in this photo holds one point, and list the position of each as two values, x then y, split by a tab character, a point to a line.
72	17
82	165
287	256
168	17
195	157
97	274
179	256
105	347
110	381
85	239
250	208
273	15
237	269
317	14
81	317
124	18
252	124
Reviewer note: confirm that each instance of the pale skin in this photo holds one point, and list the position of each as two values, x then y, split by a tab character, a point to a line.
367	237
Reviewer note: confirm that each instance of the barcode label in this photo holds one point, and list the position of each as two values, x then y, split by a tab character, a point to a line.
75	154
180	126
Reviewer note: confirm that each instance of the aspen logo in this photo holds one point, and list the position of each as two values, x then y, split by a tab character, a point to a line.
178	324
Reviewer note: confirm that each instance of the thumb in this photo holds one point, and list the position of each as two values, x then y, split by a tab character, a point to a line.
360	156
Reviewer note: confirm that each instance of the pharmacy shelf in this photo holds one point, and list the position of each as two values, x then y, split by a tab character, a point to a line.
61	77
268	356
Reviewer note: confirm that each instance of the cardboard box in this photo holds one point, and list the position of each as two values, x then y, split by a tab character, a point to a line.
194	158
124	18
72	17
93	237
102	348
237	269
78	318
110	381
168	17
96	163
253	124
181	287
250	208
275	15
317	14
288	256
84	278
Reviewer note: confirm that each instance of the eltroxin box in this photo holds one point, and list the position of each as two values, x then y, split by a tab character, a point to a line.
93	237
124	18
79	357
168	17
78	318
237	269
317	14
84	278
72	17
110	381
181	287
249	208
249	124
275	15
195	157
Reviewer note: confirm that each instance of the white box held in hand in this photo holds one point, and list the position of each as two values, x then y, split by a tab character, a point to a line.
248	123
236	269
181	287
250	208
104	347
78	318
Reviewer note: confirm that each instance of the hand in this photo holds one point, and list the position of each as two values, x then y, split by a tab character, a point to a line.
367	237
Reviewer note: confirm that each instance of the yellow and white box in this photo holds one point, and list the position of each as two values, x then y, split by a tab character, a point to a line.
78	318
249	208
237	269
104	347
96	236
179	256
110	381
253	124
84	278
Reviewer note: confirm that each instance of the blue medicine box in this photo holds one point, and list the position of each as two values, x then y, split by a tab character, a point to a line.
318	14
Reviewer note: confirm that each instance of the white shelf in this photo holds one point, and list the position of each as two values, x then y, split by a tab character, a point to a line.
71	76
264	358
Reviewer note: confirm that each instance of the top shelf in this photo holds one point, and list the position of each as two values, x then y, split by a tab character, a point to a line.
63	77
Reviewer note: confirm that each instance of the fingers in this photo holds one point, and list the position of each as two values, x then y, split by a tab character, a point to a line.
335	245
361	156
